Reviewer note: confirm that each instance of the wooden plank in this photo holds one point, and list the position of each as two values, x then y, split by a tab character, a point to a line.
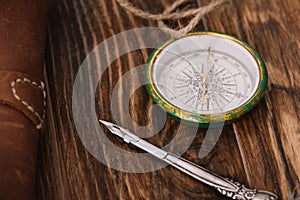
262	153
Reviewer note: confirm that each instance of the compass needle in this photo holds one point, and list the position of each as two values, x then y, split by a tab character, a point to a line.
203	101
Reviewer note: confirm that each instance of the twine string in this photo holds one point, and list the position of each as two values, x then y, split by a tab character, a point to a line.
170	14
204	21
174	6
168	10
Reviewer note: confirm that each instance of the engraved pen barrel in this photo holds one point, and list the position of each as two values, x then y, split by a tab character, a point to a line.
199	173
148	147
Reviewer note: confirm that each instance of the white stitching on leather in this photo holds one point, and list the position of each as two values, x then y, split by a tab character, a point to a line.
28	106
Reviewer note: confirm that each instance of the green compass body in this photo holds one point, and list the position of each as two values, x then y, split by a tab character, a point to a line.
206	77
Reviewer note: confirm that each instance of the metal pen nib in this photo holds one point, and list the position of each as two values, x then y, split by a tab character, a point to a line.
225	186
127	136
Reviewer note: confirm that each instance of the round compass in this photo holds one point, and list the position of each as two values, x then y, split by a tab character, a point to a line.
206	77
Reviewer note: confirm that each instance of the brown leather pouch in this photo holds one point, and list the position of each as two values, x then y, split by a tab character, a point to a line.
22	94
22	114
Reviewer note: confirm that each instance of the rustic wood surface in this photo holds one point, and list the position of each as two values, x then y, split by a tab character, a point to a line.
261	150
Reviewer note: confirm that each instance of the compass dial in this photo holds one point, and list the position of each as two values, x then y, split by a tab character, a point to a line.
229	82
206	74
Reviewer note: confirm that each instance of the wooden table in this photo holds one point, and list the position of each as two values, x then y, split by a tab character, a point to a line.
261	150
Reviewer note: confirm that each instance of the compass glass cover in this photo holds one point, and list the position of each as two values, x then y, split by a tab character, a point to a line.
205	74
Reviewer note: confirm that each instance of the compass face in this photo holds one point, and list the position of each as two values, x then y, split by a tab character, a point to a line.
206	73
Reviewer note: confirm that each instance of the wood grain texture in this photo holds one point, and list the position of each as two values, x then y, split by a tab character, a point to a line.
260	150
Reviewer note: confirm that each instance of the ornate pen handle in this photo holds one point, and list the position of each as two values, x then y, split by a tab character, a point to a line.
244	193
225	186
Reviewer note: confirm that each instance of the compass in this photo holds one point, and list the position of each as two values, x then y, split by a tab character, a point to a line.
206	77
